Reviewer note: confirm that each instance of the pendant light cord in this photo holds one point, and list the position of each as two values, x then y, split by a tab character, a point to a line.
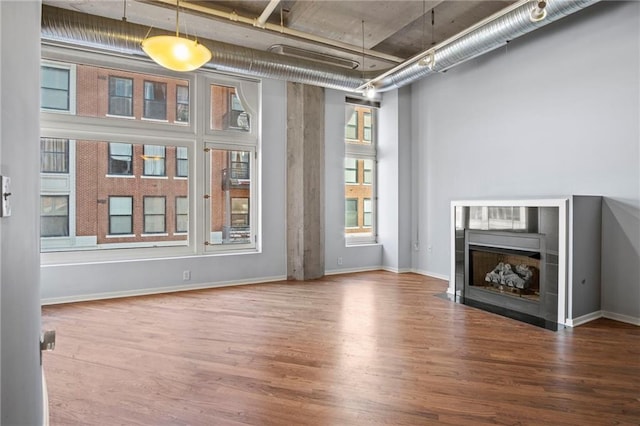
177	17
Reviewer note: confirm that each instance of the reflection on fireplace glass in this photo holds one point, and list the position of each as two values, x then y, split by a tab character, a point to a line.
498	217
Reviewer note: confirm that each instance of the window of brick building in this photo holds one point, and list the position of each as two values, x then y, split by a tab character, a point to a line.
351	213
182	162
121	96
55	88
120	159
155	100
182	104
182	214
154	160
54	155
154	215
120	215
54	215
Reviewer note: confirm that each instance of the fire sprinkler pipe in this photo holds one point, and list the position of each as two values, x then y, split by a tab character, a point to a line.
262	19
234	17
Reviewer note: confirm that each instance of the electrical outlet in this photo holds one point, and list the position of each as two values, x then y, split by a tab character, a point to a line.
339	261
186	275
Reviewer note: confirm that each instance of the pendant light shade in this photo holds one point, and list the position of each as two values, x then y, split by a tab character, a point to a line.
176	53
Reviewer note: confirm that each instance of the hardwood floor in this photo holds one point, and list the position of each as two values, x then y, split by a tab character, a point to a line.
356	349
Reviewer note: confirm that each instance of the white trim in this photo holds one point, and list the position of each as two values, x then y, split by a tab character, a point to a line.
584	319
350	270
431	274
621	317
396	270
157	290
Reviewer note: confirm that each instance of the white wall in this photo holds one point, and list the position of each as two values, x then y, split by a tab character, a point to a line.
96	280
20	381
354	258
553	113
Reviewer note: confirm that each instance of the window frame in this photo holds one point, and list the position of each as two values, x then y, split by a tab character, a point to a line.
68	217
146	101
131	216
147	161
71	68
111	96
177	215
356	149
152	132
110	159
65	156
145	215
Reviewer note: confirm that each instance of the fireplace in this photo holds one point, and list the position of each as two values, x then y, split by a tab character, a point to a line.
505	271
558	240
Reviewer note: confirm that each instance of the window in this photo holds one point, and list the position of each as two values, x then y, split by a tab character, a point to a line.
154	215
154	160
55	88
182	162
120	96
351	131
129	188
182	214
54	155
120	159
367	211
368	171
351	217
120	215
227	110
54	215
360	161
239	212
239	164
230	197
350	170
155	100
367	128
182	104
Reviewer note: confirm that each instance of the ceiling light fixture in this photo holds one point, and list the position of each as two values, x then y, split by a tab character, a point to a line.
539	12
174	52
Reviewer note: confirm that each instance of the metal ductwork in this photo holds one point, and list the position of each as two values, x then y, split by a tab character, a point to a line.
66	27
482	40
77	29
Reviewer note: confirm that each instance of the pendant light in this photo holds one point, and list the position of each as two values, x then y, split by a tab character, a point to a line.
174	52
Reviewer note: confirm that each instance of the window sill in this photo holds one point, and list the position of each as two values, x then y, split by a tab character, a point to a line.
120	176
153	177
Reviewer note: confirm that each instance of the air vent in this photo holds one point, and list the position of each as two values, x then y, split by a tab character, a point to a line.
297	52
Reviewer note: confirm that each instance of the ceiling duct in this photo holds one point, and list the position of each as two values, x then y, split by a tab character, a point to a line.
489	36
78	29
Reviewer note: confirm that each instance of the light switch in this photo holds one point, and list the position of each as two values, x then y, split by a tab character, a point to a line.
5	204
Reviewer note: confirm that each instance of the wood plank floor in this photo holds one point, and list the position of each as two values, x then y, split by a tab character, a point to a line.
356	349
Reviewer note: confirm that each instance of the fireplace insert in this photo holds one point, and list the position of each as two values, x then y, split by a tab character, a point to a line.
505	273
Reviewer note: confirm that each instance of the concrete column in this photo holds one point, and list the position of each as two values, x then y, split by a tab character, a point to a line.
305	181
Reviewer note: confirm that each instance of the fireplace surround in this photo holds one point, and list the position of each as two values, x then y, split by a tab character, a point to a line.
535	260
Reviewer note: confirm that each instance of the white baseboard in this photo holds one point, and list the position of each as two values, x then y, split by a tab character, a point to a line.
396	270
574	322
157	290
622	318
431	274
350	270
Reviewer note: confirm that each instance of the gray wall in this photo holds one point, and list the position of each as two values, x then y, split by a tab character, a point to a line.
95	280
394	180
354	258
553	113
20	382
